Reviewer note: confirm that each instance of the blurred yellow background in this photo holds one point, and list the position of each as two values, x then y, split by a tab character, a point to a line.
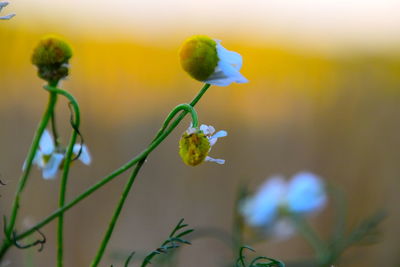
323	96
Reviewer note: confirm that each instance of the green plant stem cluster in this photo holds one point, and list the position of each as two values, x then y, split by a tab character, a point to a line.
168	126
328	252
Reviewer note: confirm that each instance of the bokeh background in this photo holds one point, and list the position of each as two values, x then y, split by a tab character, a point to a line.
323	96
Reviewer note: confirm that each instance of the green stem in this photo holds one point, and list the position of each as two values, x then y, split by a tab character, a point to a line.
186	108
61	200
117	212
238	223
319	246
54	129
28	164
64	179
160	137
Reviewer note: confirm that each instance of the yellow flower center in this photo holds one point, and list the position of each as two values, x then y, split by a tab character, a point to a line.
193	148
51	56
51	50
199	57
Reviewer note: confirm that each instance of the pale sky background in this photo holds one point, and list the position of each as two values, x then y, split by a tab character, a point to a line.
366	23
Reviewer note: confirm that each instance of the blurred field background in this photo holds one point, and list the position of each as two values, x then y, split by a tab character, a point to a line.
323	96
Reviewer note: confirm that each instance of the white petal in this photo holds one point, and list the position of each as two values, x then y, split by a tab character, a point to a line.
227	69
37	160
52	166
213	138
220	134
261	209
46	144
212	141
218	161
211	129
282	229
7	17
85	155
207	129
231	72
219	78
233	58
191	129
225	74
306	193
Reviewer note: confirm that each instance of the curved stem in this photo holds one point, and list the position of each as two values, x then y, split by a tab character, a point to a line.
160	137
67	164
22	182
72	100
186	108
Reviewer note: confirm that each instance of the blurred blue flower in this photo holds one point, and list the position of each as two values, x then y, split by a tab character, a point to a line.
277	198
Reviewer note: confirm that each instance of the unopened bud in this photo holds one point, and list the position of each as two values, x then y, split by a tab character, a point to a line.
51	56
194	148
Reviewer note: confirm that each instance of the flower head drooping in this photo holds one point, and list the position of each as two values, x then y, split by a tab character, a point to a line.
50	158
277	198
195	145
7	17
51	56
206	60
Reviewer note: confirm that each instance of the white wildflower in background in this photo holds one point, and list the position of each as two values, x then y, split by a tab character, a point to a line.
206	60
2	5
50	159
195	144
276	199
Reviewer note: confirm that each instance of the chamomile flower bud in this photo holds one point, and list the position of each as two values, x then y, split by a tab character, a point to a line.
195	145
206	60
51	56
193	148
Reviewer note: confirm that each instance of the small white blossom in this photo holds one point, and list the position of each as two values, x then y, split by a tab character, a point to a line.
228	68
50	159
206	60
209	132
196	144
2	5
276	198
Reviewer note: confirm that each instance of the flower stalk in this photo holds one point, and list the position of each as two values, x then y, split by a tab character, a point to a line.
186	108
67	164
24	178
161	135
117	212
